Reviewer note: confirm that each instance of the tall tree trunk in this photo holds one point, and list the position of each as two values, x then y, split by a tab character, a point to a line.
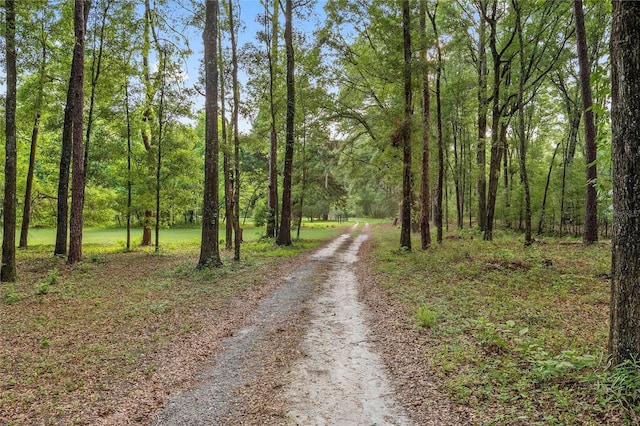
440	188
483	106
35	132
8	270
65	166
77	183
272	54
159	157
150	90
591	197
209	244
226	152
624	337
496	143
284	236
521	129
304	171
129	154
405	231
425	191
236	137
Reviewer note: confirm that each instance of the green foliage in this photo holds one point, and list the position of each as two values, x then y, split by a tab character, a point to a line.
621	386
425	317
260	215
10	294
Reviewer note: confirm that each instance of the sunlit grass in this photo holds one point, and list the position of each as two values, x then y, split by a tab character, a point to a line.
182	235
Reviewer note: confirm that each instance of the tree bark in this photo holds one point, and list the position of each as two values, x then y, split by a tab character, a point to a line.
546	191
483	106
624	337
284	237
425	191
496	144
129	154
159	157
77	183
440	188
8	270
209	244
272	53
521	129
590	234
35	132
226	152
405	230
236	137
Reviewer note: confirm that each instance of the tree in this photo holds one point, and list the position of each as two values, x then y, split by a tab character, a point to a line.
77	184
425	233
284	236
591	197
624	335
209	244
60	248
440	187
521	126
35	132
405	231
272	55
236	139
8	270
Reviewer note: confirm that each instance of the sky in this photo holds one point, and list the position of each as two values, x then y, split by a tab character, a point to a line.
249	11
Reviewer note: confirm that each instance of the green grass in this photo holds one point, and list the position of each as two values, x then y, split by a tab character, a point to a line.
182	235
521	332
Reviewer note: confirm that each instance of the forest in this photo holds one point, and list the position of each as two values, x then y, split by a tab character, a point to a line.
262	128
478	65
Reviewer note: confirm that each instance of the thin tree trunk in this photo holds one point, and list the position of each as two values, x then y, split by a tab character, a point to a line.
236	136
77	183
405	231
440	187
496	144
226	153
26	212
304	173
209	244
284	237
425	191
521	129
624	335
8	271
129	183
546	191
591	197
481	187
159	158
272	54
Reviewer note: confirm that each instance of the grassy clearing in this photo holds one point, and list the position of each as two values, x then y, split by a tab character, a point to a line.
178	236
71	336
519	334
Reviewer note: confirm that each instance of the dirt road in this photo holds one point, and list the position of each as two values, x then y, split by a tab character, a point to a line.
334	375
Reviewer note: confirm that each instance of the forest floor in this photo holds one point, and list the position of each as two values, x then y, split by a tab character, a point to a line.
353	332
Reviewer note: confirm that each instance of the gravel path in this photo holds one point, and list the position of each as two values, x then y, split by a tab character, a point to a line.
339	380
